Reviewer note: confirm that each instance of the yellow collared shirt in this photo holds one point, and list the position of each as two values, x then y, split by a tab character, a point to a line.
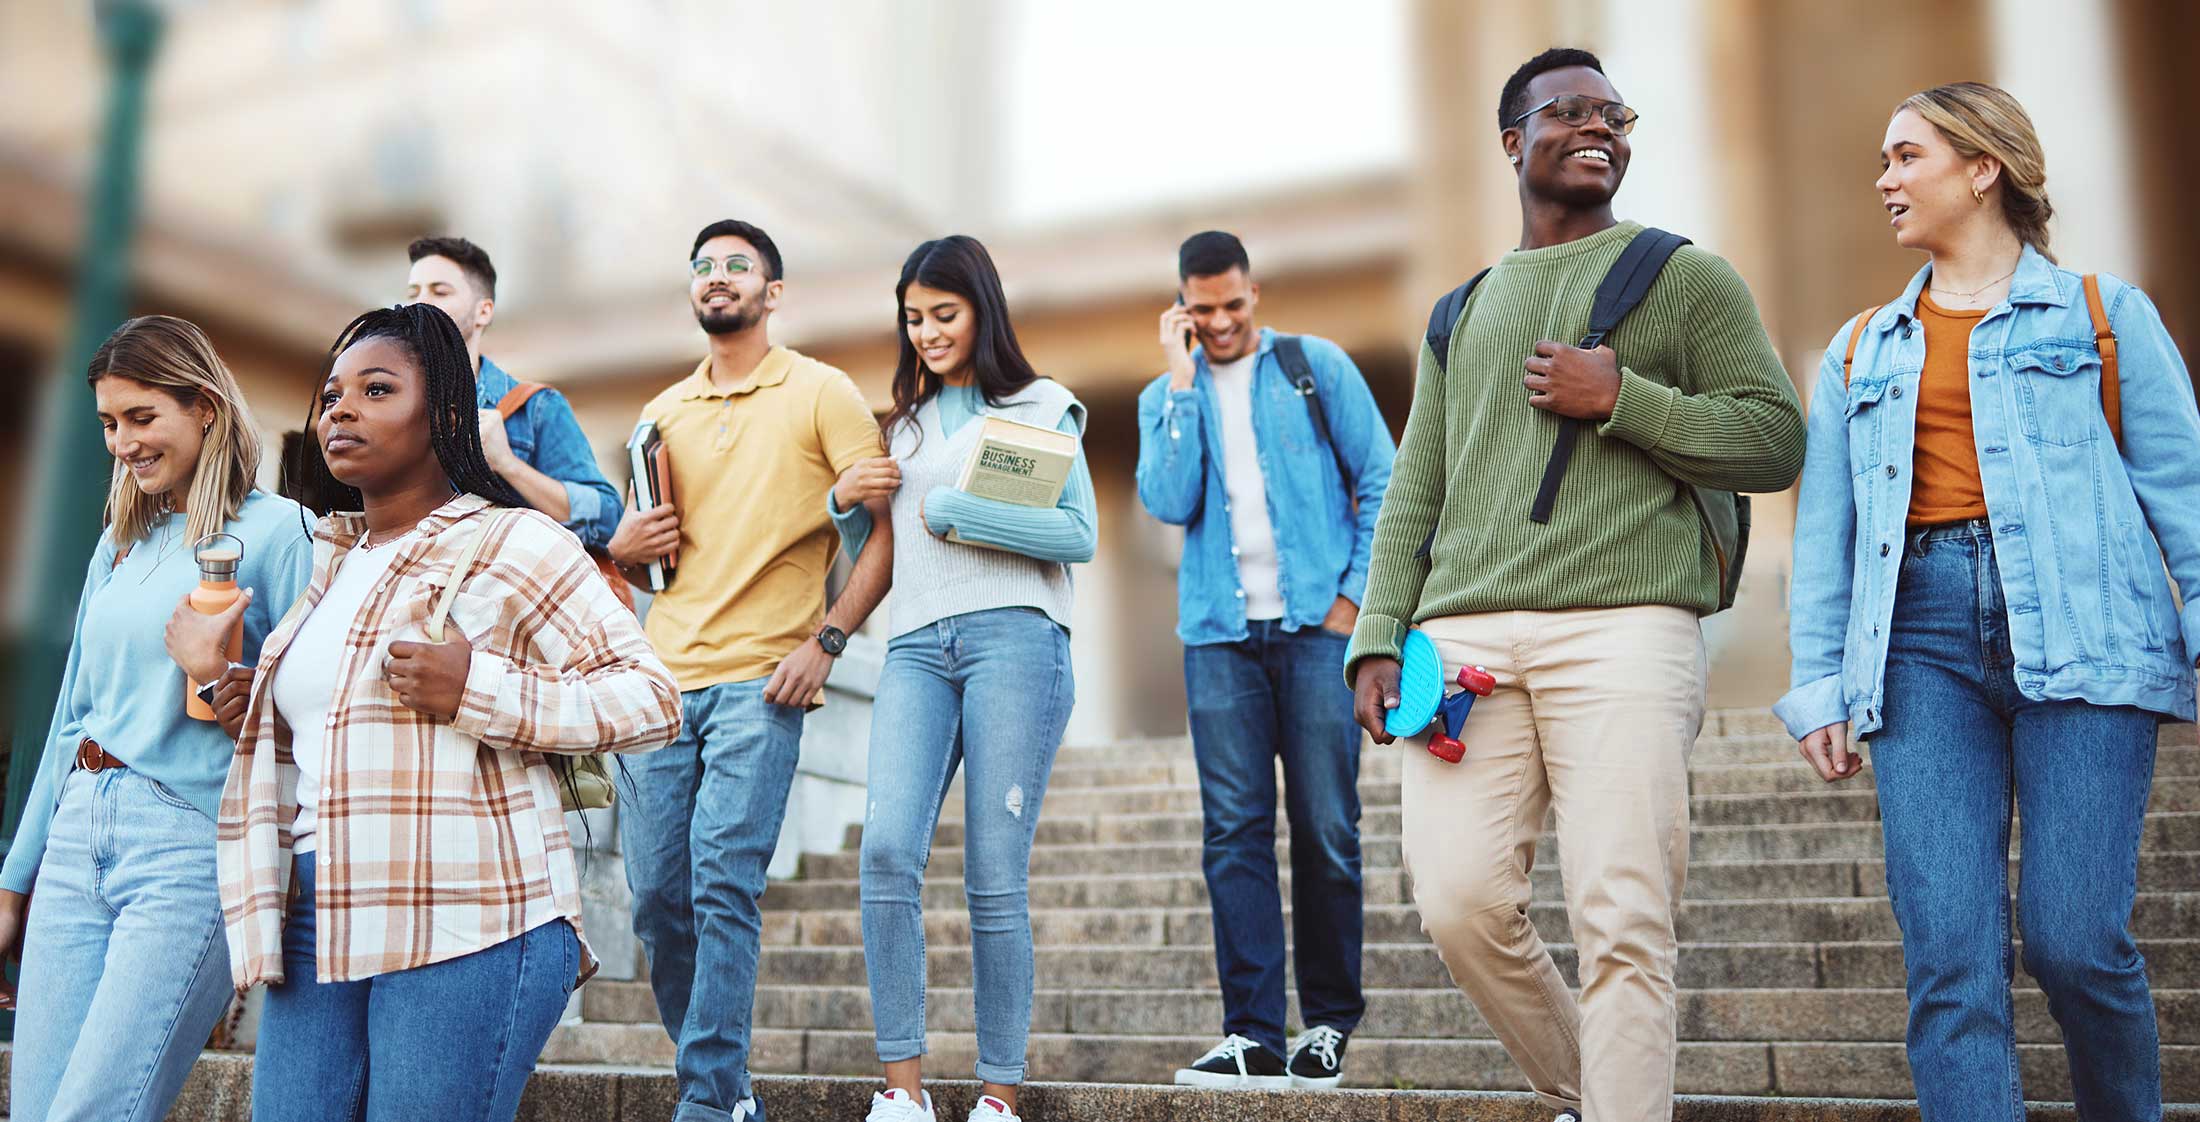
750	469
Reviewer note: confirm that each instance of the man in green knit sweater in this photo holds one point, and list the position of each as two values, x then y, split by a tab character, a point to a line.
1589	622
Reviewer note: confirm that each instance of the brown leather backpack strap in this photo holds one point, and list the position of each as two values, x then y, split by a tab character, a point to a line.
513	401
1848	361
2104	338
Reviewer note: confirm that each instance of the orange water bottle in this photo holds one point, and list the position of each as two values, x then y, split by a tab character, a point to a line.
218	556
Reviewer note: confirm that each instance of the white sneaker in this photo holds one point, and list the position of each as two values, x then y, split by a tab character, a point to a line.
990	1109
1568	1116
898	1105
745	1110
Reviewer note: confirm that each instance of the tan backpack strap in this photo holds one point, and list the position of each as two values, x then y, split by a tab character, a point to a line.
1848	361
434	627
513	401
2104	338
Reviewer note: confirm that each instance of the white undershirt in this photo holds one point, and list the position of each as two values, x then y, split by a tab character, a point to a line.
305	683
1253	536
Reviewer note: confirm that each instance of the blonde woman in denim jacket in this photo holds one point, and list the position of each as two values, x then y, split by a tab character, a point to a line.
1980	592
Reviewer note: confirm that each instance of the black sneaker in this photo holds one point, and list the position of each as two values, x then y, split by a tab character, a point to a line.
1317	1059
1239	1063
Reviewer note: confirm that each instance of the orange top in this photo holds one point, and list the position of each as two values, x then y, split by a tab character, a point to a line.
1946	486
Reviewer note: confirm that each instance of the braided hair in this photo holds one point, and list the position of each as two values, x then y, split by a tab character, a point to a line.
454	426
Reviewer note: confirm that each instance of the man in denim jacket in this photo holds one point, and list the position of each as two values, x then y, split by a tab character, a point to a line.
1277	485
540	450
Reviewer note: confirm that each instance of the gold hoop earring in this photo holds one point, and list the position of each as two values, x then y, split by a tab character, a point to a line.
1978	195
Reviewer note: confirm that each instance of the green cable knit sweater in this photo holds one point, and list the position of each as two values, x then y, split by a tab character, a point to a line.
1702	398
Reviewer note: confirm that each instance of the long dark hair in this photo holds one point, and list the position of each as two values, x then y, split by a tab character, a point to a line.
958	264
454	426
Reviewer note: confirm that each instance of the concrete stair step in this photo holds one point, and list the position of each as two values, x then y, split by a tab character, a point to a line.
1434	1014
1848	802
1853	919
220	1090
1707	880
2172	963
1782	772
1876	1069
1170	843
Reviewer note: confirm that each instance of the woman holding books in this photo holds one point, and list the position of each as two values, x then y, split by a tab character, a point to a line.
977	674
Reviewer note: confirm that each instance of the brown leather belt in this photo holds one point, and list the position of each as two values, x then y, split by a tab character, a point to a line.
91	757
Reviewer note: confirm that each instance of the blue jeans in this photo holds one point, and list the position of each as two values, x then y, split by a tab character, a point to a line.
697	823
1960	742
125	968
989	691
1279	693
453	1041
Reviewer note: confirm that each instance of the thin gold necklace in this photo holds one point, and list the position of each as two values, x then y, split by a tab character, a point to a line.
1973	294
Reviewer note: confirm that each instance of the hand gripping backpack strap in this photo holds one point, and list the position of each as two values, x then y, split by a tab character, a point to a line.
1291	353
2104	339
1622	288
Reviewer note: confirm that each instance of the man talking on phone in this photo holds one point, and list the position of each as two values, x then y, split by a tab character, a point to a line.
1270	452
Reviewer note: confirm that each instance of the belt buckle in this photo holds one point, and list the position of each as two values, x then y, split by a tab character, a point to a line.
89	756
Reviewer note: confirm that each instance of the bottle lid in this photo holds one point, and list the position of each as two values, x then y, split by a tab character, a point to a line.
218	556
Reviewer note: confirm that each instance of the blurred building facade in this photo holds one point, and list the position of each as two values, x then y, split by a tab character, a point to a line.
296	146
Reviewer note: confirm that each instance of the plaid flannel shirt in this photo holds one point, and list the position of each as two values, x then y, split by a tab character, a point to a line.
437	839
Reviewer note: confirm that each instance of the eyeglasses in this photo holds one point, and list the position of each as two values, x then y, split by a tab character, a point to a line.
734	266
1573	110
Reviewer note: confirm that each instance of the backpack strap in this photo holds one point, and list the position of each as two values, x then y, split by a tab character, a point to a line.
1443	319
433	628
1848	359
1291	353
2104	338
516	398
1622	288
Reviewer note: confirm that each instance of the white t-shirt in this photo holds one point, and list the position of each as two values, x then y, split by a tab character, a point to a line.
306	681
1252	535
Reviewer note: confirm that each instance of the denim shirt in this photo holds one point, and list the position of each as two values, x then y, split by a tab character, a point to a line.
2081	527
546	437
1322	542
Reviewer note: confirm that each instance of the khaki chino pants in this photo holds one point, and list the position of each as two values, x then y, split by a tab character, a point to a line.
1593	717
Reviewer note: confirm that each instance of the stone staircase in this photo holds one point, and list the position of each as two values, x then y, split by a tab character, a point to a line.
1791	969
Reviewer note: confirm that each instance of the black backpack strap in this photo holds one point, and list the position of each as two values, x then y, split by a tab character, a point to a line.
1443	319
1622	288
1292	354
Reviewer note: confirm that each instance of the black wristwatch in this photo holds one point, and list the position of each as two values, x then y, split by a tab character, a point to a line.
206	692
832	639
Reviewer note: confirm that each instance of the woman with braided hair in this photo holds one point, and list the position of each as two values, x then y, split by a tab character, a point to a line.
394	859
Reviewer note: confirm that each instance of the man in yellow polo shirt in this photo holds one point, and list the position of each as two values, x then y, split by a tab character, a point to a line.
757	436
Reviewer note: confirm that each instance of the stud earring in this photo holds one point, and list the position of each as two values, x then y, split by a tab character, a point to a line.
1515	160
206	428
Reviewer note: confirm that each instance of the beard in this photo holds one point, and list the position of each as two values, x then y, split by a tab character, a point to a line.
729	321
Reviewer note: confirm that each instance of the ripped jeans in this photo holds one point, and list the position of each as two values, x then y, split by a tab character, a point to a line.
989	692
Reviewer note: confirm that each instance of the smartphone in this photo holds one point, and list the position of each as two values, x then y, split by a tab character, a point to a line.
1191	337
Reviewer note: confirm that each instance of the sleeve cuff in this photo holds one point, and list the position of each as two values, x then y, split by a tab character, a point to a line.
1641	413
582	506
1812	706
477	702
2191	620
1375	636
936	519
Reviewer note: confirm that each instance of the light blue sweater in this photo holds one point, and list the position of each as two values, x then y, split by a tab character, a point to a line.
1067	532
121	689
